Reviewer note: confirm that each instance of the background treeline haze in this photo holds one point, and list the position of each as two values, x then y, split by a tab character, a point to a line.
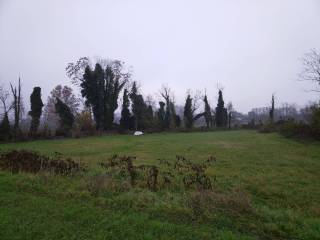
111	101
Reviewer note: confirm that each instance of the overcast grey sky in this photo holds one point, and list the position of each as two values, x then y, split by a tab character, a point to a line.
250	47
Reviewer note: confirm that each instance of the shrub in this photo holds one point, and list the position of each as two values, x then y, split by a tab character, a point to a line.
301	129
294	129
84	124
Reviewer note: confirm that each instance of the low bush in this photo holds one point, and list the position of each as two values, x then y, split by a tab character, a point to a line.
301	129
294	129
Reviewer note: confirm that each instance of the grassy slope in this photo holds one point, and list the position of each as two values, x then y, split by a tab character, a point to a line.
281	176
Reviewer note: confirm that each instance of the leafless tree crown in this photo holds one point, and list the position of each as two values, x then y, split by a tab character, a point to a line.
311	70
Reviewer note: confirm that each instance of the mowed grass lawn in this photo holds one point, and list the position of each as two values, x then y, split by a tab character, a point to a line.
279	176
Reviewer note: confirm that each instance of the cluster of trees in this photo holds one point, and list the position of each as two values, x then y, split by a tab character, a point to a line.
100	88
7	132
101	85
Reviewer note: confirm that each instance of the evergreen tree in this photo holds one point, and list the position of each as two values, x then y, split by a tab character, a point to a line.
125	113
113	87
149	118
271	112
93	93
188	113
36	110
66	117
174	121
177	121
161	116
101	90
5	130
141	111
135	107
139	108
167	117
207	112
221	112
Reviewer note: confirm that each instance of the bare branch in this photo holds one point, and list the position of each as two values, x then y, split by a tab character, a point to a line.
311	63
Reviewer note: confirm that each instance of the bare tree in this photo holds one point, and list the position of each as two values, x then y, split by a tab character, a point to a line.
166	94
196	99
4	97
150	101
311	71
76	70
17	106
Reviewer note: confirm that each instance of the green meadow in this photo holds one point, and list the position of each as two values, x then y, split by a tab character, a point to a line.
266	187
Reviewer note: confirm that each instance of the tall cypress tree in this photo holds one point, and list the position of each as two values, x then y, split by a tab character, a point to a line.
161	115
167	117
141	111
207	112
149	118
188	113
271	112
135	107
99	78
36	110
125	112
139	108
221	112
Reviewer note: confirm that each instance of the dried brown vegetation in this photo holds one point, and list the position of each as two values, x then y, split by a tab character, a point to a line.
27	161
181	172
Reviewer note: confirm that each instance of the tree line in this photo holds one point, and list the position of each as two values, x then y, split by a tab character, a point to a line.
101	87
102	84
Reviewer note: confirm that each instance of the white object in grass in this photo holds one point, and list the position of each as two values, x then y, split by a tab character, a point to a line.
138	133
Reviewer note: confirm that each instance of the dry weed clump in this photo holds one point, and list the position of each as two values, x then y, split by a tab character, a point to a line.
27	161
181	173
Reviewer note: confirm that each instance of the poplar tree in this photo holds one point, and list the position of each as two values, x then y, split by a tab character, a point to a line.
188	113
221	112
161	115
207	112
271	112
125	112
36	110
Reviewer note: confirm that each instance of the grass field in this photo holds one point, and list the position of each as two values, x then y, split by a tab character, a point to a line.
267	187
